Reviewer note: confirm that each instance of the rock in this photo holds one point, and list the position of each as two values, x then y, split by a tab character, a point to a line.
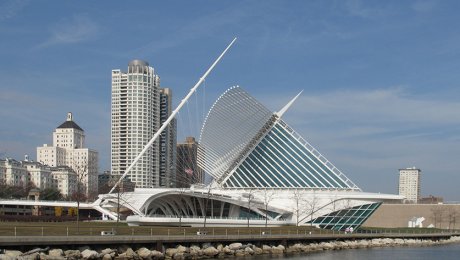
296	247
56	252
363	244
130	254
42	256
240	253
195	251
266	249
258	250
157	254
72	254
107	251
144	253
248	250
235	246
228	251
211	251
107	257
220	247
5	257
179	256
277	249
170	252
89	254
12	253
33	256
327	246
182	249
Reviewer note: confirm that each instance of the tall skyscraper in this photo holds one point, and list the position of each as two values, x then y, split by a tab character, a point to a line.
409	184
188	171
68	150
167	144
135	119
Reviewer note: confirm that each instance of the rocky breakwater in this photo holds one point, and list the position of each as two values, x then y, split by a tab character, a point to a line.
208	250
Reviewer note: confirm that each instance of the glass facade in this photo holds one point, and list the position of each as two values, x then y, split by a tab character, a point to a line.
282	160
351	217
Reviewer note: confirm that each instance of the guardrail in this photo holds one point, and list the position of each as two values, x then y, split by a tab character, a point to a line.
72	230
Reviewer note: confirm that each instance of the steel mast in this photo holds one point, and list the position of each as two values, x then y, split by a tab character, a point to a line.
173	114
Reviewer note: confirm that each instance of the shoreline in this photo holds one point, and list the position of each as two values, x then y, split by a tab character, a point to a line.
215	250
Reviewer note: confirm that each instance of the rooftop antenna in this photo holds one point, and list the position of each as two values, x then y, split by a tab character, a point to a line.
173	114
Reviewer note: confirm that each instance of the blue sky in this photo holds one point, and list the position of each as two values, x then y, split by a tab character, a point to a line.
380	78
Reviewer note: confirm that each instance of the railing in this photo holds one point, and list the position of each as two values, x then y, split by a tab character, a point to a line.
288	232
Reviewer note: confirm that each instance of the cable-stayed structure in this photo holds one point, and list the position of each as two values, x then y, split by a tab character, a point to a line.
245	145
264	174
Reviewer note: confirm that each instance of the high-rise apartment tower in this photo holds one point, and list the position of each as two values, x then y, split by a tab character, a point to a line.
409	183
135	119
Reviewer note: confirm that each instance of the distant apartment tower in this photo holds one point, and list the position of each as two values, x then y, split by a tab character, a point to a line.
135	119
68	150
167	142
409	183
188	171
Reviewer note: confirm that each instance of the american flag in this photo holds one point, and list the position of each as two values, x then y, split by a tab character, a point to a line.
189	171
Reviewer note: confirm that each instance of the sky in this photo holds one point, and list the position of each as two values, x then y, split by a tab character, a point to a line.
380	79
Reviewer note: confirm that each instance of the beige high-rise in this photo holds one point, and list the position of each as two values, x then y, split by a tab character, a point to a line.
409	184
68	150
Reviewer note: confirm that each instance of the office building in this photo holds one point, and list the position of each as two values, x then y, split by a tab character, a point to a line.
68	150
409	184
167	142
188	172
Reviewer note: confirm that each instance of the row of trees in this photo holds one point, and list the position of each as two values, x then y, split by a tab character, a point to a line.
22	192
444	215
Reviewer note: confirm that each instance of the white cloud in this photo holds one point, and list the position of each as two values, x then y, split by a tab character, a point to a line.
78	29
379	107
9	9
424	6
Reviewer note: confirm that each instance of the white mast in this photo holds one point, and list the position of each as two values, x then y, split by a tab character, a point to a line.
173	114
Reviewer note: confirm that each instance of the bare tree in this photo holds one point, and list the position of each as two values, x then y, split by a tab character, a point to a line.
312	205
452	215
268	196
250	197
299	204
80	168
437	212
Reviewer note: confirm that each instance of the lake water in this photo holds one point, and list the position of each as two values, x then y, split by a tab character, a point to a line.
442	252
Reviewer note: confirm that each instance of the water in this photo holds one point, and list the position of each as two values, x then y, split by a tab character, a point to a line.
442	252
